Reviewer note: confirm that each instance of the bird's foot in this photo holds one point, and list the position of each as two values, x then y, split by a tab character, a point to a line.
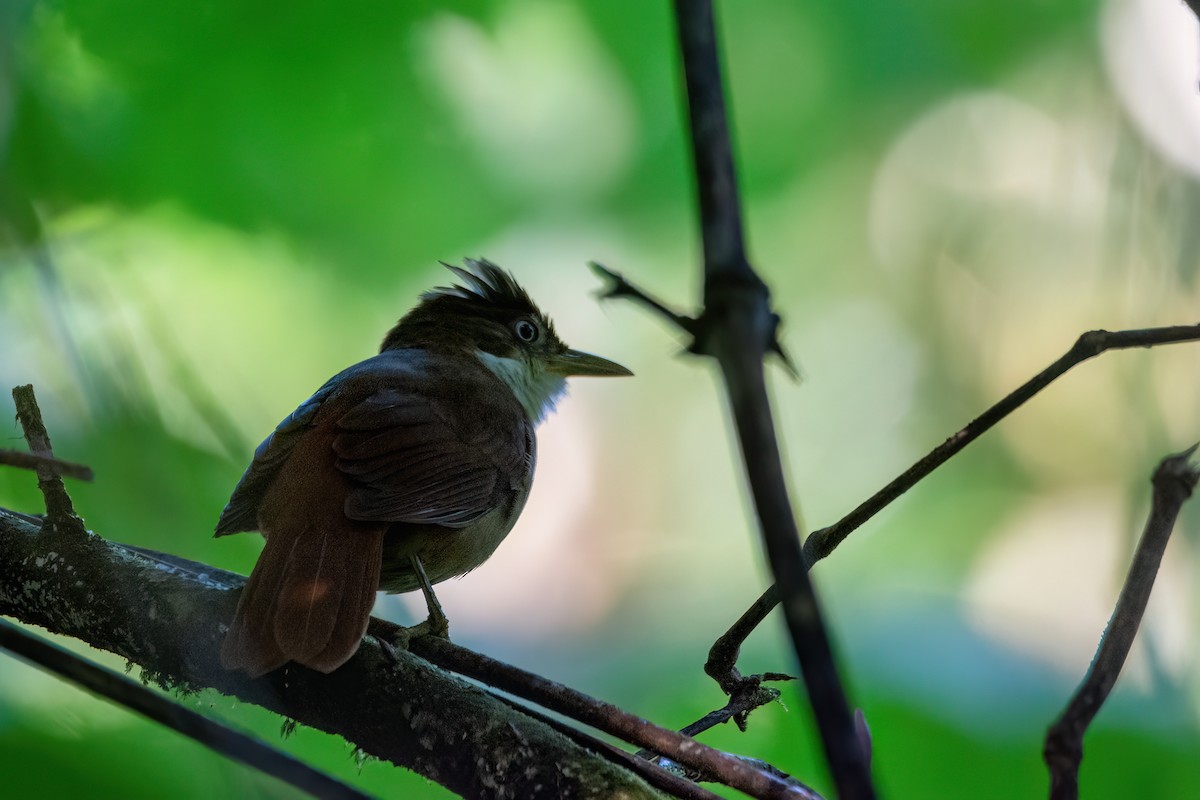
437	624
434	626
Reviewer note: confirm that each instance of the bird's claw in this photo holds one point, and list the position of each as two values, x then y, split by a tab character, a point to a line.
436	625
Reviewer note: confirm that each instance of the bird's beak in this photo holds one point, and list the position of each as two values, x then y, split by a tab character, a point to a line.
575	362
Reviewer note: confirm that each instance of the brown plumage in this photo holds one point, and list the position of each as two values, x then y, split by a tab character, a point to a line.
424	450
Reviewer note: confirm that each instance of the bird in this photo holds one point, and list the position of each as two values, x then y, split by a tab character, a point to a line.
403	470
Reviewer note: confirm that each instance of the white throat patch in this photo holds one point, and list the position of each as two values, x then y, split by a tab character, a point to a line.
536	389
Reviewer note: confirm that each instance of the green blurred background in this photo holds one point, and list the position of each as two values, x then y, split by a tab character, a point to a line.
209	208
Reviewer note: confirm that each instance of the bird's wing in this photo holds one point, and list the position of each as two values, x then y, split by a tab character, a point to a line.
311	591
408	463
241	513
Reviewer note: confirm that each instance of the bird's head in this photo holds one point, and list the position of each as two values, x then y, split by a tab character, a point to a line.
490	317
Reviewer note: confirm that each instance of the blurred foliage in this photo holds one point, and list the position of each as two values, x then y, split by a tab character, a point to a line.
208	208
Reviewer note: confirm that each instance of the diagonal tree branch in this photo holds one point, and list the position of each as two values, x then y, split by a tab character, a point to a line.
1173	482
735	771
398	709
758	780
385	632
722	657
136	697
166	613
1089	345
65	560
740	773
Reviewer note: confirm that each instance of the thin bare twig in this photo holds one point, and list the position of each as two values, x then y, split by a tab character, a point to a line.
1091	344
154	706
724	653
23	460
60	513
1173	482
616	286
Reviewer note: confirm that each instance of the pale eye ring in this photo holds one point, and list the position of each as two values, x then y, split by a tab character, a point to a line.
526	331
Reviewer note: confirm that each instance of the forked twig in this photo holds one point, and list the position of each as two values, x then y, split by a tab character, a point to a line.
60	513
1173	482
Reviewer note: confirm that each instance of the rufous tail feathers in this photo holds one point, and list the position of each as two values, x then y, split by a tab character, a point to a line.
308	599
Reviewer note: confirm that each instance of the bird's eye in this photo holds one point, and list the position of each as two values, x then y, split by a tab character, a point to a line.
526	331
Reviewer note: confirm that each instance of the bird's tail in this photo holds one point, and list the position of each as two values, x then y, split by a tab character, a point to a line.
308	599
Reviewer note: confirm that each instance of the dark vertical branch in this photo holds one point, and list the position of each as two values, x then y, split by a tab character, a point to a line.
738	329
1174	481
743	370
720	210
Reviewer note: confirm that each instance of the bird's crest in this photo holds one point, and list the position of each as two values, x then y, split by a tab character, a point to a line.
485	282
